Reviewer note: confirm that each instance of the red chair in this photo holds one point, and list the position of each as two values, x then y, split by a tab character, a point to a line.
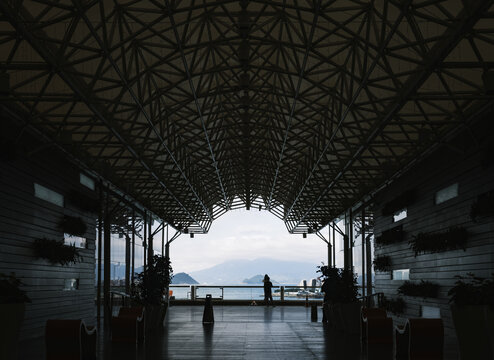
420	339
365	313
128	326
70	340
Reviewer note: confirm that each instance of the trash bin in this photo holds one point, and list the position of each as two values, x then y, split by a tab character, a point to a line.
208	316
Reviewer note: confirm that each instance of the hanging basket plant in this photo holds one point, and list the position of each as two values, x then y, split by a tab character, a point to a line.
484	206
396	306
56	252
391	236
83	201
425	289
452	239
398	203
382	263
73	225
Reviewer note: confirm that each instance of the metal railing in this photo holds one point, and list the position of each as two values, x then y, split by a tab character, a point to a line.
221	292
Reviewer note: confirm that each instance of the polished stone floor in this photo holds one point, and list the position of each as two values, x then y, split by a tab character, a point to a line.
239	332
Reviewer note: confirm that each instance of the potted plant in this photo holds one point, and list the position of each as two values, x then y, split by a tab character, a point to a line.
12	307
472	310
150	288
56	251
425	289
433	242
396	306
340	296
382	263
73	225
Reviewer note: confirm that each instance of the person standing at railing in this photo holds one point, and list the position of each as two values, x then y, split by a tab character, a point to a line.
268	296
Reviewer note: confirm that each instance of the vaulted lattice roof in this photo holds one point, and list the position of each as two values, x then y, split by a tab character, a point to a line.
197	107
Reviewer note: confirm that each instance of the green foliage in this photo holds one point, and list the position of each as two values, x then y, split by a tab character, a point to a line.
10	292
391	236
56	251
452	239
382	263
396	306
339	285
423	289
152	284
73	225
472	290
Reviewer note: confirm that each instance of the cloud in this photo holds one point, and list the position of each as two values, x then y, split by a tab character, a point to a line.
242	234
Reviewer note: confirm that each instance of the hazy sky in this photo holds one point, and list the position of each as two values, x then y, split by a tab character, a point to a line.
242	234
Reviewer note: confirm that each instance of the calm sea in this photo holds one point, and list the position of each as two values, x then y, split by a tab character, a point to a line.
228	293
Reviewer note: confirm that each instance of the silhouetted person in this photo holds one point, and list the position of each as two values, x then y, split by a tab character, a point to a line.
268	297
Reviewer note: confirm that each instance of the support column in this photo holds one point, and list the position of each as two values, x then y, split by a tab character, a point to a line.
144	240
362	234
107	265
334	245
346	246
350	243
100	244
163	239
150	242
127	263
369	263
329	247
133	244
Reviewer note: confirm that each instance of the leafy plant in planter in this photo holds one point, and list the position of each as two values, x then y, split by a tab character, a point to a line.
340	297
73	225
472	310
422	289
382	263
12	307
396	306
149	288
84	202
391	236
56	251
400	202
434	242
484	206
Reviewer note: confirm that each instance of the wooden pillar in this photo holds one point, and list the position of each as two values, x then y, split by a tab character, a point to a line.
107	265
100	244
133	244
363	250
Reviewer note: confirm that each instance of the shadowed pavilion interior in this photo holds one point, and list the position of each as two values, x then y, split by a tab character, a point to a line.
371	120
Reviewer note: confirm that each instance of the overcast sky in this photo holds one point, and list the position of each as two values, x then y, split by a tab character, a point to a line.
242	234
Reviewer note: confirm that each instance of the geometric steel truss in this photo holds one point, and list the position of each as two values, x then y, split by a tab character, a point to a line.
195	108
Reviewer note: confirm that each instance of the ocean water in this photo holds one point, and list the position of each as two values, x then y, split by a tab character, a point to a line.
228	293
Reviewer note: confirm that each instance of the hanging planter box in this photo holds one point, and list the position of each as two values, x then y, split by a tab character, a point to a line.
391	236
484	206
83	202
73	225
382	263
425	289
56	252
434	242
398	203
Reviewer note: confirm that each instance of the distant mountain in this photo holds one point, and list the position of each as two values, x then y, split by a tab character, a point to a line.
234	272
257	280
183	278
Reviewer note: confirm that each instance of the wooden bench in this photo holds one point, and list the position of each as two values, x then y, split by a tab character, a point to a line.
128	326
420	339
70	340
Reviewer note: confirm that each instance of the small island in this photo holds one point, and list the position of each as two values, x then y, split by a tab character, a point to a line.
256	279
183	278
